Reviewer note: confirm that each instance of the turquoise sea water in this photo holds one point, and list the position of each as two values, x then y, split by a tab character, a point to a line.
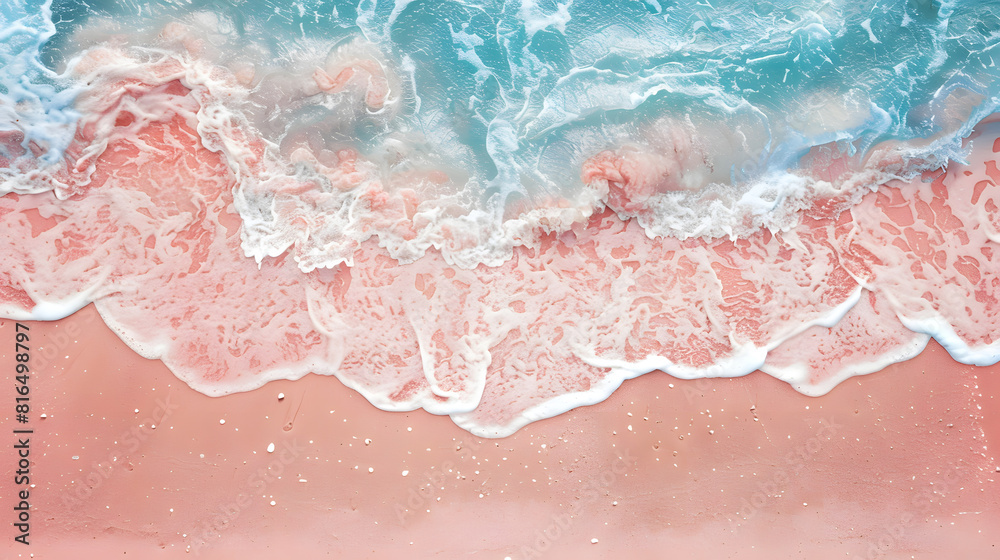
514	92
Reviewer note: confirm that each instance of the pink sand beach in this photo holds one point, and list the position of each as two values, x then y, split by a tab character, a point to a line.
128	462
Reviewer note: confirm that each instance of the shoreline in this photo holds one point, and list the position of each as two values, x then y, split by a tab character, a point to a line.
706	468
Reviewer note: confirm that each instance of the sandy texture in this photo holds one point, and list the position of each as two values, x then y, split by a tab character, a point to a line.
898	464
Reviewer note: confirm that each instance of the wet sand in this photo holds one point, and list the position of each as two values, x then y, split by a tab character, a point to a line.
898	464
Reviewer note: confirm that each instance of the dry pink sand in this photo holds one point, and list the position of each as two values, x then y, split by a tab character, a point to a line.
899	464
